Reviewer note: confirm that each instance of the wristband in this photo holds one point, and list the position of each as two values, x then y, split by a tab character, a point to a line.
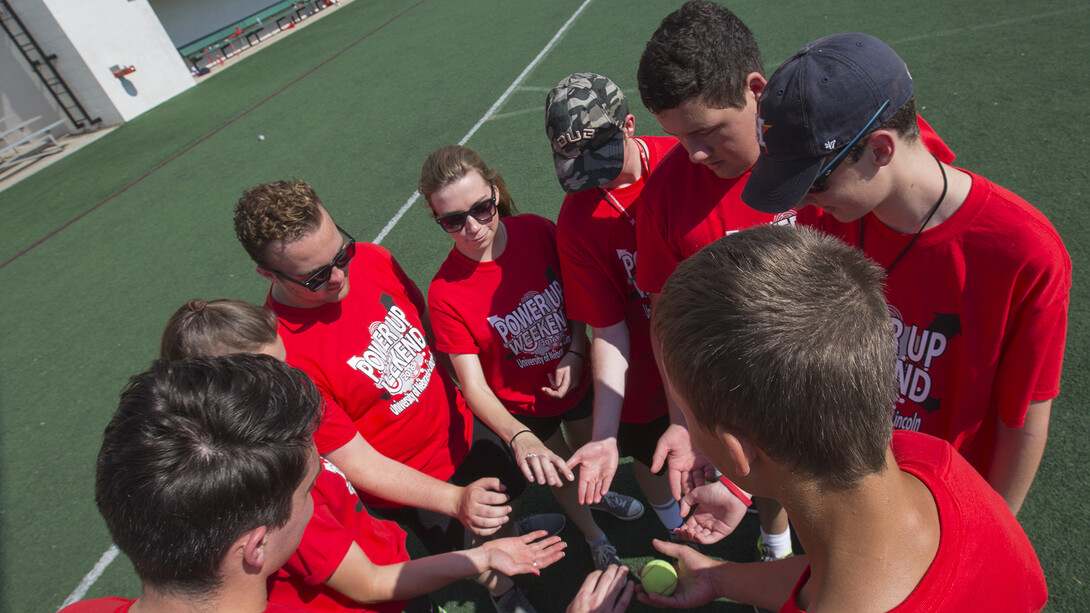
737	491
581	356
512	443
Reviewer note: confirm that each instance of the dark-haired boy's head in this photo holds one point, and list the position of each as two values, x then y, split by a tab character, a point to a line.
199	453
702	50
782	335
700	75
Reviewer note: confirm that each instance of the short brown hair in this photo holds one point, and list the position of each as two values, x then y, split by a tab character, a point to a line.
277	211
904	122
219	327
198	453
783	335
703	51
449	164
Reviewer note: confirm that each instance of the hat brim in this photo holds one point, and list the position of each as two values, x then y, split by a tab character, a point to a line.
593	168
777	186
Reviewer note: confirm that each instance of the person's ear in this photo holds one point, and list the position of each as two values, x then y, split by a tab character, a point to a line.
268	274
629	126
253	547
881	145
740	449
755	84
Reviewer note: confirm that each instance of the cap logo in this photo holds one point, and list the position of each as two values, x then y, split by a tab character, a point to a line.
830	145
575	136
761	129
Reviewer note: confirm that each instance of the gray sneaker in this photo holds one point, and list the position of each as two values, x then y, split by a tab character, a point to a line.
552	523
603	555
620	506
513	601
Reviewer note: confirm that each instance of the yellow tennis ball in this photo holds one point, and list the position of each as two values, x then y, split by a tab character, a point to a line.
659	577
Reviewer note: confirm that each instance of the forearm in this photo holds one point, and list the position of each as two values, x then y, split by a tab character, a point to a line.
1017	455
488	408
371	472
578	336
765	584
609	361
365	582
676	416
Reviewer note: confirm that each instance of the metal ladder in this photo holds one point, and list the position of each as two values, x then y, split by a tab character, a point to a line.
43	66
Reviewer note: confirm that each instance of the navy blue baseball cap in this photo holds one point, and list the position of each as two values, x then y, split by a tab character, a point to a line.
825	97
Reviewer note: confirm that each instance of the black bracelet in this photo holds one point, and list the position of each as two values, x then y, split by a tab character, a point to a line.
512	443
581	356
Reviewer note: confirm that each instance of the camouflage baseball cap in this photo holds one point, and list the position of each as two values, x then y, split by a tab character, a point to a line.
584	115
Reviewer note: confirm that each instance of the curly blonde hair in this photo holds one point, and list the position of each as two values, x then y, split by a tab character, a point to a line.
276	211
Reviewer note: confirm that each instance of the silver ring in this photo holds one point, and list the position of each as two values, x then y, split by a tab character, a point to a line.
530	455
535	562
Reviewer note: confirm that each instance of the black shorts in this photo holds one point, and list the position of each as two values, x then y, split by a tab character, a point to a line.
545	427
639	440
488	456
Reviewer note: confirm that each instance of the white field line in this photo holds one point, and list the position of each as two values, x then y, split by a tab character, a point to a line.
488	114
89	580
111	553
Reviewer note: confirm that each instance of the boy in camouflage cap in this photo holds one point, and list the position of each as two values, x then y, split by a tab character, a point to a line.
602	165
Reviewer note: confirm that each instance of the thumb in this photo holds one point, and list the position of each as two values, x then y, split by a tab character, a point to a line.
671	549
659	458
687	502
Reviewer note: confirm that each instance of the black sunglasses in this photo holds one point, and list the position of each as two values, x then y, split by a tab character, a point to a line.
321	276
821	182
483	212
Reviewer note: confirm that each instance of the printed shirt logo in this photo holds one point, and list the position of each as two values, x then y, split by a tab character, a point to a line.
628	260
536	331
397	360
917	350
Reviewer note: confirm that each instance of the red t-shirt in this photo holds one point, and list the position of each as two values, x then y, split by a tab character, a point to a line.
979	305
985	562
596	239
369	356
339	520
510	312
113	604
685	206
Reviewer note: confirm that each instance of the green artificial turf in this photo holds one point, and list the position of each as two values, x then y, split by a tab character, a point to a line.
353	104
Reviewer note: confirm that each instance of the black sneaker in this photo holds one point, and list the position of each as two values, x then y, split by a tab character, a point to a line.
552	523
620	506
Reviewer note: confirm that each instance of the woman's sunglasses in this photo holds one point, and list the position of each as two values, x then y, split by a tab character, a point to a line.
483	212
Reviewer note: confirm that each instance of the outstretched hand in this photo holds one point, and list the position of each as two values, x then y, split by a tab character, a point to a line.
694	580
528	553
538	463
687	467
604	591
566	377
717	513
482	506
597	462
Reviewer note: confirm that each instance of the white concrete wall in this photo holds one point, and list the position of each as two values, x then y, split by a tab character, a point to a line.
105	33
188	20
22	95
23	90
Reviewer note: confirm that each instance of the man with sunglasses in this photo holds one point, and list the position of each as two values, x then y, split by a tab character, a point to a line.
393	422
977	278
